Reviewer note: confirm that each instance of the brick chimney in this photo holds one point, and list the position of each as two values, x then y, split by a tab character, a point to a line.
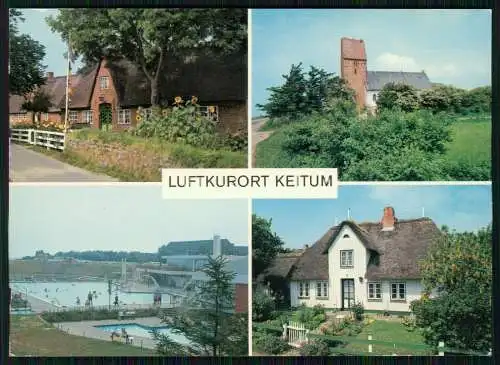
388	219
50	75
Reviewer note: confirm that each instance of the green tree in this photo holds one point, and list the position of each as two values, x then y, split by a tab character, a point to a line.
26	71
37	102
302	94
263	305
148	37
265	244
477	100
398	96
205	319
457	269
442	98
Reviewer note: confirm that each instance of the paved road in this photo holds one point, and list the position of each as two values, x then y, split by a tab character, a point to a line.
31	166
258	136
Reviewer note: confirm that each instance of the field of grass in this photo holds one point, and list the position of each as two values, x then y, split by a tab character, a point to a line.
29	335
471	140
390	331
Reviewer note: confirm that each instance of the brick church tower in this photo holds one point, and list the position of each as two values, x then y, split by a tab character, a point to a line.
353	67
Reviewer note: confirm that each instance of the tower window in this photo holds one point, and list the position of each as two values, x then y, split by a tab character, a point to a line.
355	70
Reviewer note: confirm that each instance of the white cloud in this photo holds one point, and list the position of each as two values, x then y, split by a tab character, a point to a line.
393	62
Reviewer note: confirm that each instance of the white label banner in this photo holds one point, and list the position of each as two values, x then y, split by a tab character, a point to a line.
249	183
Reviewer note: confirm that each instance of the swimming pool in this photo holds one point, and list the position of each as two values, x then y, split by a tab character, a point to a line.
66	293
135	329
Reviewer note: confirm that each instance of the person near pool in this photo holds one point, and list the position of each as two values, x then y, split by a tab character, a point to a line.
116	301
90	297
77	300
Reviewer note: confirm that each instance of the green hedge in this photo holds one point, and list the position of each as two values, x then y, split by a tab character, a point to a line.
93	315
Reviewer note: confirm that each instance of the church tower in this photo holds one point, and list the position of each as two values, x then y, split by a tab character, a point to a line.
353	67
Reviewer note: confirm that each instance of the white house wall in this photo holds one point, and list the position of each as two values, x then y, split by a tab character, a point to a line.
360	263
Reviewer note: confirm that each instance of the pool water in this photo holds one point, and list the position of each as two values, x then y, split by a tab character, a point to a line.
21	312
135	329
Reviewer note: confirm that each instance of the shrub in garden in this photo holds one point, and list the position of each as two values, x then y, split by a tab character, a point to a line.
398	96
358	310
409	322
183	123
317	347
262	306
270	344
312	318
92	315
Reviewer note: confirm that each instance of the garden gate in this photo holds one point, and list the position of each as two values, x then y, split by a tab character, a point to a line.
295	334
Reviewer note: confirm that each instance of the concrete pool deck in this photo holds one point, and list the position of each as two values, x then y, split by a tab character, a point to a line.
87	329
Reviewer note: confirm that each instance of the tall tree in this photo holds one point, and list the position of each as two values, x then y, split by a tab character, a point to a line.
302	94
26	71
457	269
148	37
206	320
37	102
265	244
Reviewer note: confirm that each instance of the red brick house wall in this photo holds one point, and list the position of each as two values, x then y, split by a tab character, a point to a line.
241	298
103	96
353	67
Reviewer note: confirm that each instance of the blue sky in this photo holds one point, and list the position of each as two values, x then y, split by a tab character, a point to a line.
452	46
300	222
129	218
36	26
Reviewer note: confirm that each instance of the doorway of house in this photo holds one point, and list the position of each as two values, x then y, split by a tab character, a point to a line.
347	293
105	117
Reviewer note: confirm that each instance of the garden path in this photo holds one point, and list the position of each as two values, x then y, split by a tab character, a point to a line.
258	136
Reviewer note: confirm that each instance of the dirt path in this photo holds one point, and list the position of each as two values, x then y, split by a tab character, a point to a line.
258	136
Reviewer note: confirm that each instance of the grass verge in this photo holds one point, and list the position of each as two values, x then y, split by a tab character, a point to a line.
131	158
29	335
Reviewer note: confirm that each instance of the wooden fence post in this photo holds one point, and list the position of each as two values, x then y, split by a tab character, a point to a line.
285	327
370	346
441	348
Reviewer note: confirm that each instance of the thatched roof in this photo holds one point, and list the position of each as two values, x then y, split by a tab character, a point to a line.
398	251
281	266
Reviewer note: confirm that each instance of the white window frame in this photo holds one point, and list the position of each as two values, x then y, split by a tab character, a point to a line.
104	82
45	117
18	117
303	289
374	290
398	286
322	289
374	97
147	113
87	117
73	117
344	258
124	116
203	110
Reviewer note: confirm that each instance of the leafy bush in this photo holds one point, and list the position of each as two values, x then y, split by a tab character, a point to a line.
183	123
409	322
317	347
310	317
358	310
269	344
262	306
398	96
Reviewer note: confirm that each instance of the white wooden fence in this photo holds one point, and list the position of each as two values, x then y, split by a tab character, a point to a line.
295	334
48	139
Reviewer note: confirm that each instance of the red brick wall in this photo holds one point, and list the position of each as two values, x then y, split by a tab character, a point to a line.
233	117
241	298
109	95
353	71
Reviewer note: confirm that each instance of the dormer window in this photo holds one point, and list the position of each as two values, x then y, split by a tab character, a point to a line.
346	258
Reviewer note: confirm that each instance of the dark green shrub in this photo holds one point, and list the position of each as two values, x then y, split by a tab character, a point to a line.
262	306
270	344
93	315
317	347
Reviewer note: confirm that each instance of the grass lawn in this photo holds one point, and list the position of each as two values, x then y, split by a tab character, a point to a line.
471	140
29	335
391	331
